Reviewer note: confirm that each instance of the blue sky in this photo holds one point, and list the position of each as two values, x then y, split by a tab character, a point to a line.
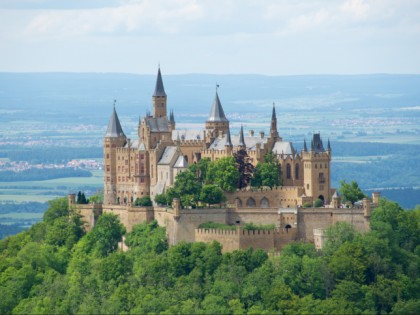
273	37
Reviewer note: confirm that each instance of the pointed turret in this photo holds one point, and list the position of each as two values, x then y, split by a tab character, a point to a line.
217	123
172	120
241	138
228	140
159	98
328	145
114	129
305	148
216	113
159	89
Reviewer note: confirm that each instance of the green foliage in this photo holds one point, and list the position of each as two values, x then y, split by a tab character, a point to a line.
52	269
57	208
214	225
267	173
212	194
245	168
307	204
143	202
253	227
351	192
81	198
161	199
223	173
318	203
106	234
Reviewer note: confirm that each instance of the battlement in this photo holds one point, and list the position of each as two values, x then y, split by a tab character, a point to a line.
268	240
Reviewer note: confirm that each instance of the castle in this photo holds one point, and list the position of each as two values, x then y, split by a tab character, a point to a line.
149	165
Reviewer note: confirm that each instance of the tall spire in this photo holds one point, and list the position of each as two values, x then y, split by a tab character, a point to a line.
329	145
273	127
241	138
305	148
216	113
159	89
114	129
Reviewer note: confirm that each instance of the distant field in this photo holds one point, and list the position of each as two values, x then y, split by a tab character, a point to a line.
42	191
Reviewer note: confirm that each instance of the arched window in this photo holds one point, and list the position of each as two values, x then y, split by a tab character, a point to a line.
239	202
297	171
288	171
250	203
264	203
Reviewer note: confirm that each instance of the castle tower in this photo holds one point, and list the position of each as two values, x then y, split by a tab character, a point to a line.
217	123
114	138
316	170
159	98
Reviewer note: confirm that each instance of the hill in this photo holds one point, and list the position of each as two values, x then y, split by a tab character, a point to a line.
55	267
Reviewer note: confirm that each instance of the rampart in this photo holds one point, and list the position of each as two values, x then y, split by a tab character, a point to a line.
89	213
130	215
267	240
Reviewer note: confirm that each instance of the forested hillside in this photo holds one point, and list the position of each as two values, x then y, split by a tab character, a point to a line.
55	268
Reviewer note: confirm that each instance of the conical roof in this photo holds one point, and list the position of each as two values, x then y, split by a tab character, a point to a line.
159	89
241	138
114	129
228	139
305	148
217	113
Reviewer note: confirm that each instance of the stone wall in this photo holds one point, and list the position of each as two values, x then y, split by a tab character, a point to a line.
321	218
130	216
90	214
242	239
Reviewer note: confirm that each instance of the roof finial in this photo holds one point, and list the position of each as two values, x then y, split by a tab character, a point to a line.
217	86
115	101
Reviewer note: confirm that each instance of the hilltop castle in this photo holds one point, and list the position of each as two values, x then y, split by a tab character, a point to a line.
148	166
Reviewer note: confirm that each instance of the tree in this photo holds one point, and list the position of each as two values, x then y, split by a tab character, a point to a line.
351	192
245	168
161	199
143	202
224	173
318	203
267	173
212	194
59	207
81	198
106	234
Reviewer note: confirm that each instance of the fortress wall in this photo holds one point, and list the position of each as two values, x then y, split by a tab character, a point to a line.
243	239
90	214
277	196
165	218
313	218
190	219
227	238
130	216
321	218
253	215
353	216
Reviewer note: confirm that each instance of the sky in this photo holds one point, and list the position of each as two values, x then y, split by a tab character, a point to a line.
270	37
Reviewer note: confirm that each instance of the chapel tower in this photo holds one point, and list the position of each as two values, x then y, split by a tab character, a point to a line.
159	98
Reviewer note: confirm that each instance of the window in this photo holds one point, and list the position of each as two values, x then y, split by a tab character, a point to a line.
297	171
288	171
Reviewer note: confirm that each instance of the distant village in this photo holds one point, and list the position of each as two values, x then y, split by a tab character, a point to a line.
84	164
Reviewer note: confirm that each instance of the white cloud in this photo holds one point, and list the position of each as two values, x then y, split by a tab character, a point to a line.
357	8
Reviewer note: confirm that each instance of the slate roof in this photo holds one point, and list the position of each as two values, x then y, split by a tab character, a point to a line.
251	142
159	89
114	129
316	144
241	137
181	162
284	147
168	155
188	135
157	124
216	113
